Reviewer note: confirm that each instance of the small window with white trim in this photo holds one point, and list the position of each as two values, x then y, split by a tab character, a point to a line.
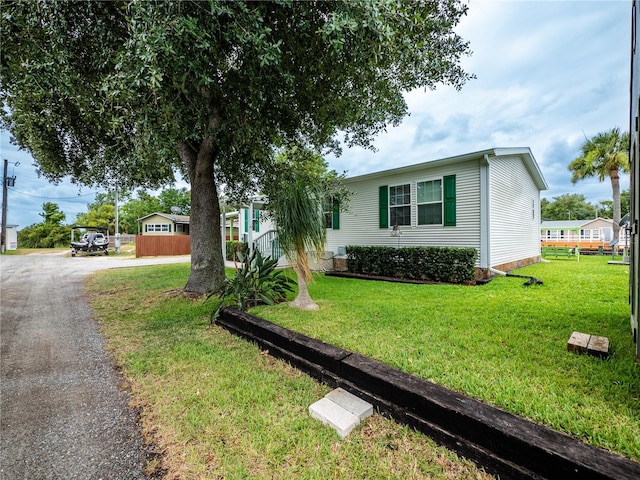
429	202
400	204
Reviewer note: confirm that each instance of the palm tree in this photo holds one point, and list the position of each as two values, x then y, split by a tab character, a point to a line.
604	155
297	185
297	214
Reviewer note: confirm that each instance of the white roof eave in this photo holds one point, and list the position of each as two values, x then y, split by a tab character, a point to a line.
523	152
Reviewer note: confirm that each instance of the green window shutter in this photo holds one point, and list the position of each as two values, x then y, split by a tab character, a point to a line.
449	193
246	220
336	215
383	199
256	223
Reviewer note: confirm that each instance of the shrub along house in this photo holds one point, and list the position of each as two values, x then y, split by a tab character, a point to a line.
487	200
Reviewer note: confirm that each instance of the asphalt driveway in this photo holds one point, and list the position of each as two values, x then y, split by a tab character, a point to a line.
63	411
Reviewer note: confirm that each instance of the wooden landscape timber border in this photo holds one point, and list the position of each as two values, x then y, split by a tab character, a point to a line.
502	443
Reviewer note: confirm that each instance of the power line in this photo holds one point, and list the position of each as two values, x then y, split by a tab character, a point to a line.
55	198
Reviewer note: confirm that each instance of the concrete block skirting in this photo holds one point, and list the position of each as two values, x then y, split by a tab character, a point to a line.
502	443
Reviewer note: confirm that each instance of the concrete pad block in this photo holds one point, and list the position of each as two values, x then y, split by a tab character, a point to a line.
598	346
578	342
351	403
332	414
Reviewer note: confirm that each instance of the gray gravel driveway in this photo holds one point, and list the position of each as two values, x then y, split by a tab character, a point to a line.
63	412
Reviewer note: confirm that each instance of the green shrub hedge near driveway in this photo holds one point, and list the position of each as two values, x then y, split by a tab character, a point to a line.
503	343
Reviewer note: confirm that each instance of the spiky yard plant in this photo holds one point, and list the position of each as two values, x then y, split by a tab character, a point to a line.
256	281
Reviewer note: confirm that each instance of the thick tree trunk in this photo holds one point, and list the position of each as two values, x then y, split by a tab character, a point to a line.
207	263
615	186
303	299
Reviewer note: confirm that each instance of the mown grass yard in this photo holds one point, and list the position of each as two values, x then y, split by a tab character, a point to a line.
503	343
220	408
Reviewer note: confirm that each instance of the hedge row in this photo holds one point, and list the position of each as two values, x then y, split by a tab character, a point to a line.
439	264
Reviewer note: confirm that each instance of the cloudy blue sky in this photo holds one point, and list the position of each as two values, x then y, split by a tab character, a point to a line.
548	73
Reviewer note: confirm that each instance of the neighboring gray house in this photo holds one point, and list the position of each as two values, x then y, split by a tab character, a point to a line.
487	200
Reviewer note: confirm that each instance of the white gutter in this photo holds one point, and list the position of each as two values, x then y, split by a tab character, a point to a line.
485	213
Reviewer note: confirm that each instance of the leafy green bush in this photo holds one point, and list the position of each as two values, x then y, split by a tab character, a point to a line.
44	235
233	246
440	264
256	281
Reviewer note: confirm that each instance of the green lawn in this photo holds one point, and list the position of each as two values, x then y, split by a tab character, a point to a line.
217	407
503	343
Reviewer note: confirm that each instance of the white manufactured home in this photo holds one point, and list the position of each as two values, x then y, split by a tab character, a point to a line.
487	200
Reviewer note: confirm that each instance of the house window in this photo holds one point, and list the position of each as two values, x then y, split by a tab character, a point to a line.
157	227
255	224
181	228
400	204
331	213
588	234
429	202
327	212
435	203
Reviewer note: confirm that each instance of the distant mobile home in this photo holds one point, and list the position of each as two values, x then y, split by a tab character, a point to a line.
163	224
595	234
487	200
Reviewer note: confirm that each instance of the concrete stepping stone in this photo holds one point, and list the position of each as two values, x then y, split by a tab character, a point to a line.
592	344
341	410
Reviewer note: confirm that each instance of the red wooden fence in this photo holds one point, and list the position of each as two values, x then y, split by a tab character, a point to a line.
157	245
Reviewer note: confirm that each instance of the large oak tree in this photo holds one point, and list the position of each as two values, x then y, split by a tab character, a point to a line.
127	92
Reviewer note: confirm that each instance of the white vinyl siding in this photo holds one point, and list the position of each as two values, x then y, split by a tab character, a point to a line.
360	224
156	225
515	211
507	231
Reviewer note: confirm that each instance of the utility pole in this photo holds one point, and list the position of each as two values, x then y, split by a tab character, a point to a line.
3	247
117	232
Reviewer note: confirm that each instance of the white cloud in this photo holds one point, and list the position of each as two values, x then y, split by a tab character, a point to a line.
548	73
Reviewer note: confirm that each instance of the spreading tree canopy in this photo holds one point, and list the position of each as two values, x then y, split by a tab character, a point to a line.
126	92
570	206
